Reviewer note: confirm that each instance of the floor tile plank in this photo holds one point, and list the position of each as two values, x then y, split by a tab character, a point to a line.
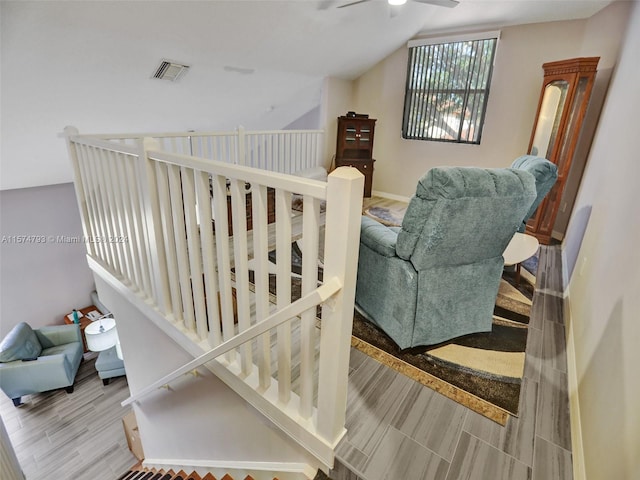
397	456
477	460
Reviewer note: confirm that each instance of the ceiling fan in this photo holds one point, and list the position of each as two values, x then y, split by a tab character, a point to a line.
439	3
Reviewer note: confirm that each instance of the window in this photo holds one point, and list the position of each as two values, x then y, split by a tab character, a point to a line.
448	87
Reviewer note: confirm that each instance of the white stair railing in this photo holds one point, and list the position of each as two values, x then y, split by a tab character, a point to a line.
284	151
152	211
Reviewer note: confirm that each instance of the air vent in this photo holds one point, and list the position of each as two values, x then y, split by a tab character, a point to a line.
168	70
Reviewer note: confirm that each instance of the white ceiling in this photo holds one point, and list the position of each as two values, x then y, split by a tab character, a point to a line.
305	36
256	63
316	38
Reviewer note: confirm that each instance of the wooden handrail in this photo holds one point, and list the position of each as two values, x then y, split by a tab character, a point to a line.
316	297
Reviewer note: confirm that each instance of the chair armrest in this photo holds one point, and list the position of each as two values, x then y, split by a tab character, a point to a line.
54	335
379	238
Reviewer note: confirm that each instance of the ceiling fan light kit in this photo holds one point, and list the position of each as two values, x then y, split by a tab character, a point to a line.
439	3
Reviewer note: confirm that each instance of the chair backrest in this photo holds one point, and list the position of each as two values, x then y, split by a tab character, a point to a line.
545	173
463	215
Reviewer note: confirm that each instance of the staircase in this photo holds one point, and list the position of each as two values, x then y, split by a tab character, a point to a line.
170	269
138	472
151	474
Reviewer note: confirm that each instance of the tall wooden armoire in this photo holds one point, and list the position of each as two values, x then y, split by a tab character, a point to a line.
354	146
564	98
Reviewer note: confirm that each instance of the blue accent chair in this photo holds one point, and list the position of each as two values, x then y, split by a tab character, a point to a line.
437	276
38	360
545	173
109	365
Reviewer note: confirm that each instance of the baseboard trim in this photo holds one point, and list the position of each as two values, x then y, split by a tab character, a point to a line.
577	447
390	196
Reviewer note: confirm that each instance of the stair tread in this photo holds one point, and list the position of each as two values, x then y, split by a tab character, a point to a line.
137	472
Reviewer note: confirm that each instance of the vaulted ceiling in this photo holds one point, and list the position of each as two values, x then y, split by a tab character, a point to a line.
256	63
302	36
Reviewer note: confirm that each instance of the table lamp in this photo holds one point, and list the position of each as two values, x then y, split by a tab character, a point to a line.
101	334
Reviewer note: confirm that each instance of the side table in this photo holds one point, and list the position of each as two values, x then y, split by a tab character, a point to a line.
84	321
520	248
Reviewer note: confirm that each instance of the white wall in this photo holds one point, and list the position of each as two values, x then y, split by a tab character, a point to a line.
603	235
517	79
202	419
43	277
602	38
89	64
337	100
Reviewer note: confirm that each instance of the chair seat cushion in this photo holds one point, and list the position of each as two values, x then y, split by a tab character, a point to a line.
108	360
69	350
21	343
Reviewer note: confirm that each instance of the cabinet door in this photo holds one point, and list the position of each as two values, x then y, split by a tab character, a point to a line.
561	110
355	138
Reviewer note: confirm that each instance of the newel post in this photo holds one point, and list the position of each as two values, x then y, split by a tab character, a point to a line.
153	221
342	241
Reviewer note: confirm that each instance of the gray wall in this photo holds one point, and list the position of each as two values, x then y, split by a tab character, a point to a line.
41	281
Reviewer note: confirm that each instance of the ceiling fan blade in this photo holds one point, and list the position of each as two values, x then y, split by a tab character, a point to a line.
352	3
440	3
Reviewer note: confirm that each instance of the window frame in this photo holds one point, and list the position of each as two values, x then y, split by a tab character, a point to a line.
411	130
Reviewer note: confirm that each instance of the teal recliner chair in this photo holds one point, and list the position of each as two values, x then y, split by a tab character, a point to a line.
38	360
437	276
545	173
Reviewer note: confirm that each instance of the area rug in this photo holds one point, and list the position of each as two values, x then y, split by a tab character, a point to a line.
482	371
389	216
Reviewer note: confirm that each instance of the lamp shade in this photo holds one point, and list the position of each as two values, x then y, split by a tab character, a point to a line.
101	335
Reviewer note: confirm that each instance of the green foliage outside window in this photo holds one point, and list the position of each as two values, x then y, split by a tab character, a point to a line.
447	90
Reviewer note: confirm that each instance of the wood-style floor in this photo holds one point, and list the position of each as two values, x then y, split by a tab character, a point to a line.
397	429
73	436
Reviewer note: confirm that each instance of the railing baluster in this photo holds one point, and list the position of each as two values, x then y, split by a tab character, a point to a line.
98	177
259	200
177	214
283	289
311	226
220	214
195	256
208	257
92	219
120	221
239	222
113	189
83	199
100	219
124	218
168	239
140	232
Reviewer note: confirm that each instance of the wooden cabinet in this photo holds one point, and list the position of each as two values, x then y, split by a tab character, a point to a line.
366	168
354	146
564	98
84	321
